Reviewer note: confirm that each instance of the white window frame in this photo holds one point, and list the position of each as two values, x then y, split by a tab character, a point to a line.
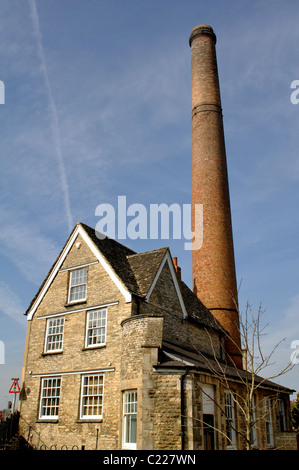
230	418
253	434
50	397
95	324
54	330
87	391
129	411
269	423
73	284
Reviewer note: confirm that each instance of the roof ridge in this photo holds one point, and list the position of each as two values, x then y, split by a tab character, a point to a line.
148	252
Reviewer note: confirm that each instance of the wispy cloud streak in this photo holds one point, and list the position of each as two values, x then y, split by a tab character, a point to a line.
11	304
53	112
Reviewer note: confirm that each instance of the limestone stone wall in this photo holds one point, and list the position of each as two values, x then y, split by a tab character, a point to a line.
75	360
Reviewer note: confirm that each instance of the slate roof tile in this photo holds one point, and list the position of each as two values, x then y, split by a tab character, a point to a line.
178	356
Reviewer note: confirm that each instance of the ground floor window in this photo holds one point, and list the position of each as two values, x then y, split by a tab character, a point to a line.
230	419
50	395
130	419
281	415
268	420
253	435
92	394
208	410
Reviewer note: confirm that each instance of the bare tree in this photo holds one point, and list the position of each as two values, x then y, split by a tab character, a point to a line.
250	405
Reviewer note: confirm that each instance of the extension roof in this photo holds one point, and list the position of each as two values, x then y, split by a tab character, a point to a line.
181	357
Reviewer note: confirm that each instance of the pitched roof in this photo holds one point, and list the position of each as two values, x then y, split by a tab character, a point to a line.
138	270
117	256
137	273
197	311
145	266
178	356
115	253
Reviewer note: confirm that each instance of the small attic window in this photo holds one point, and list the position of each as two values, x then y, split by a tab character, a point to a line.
78	285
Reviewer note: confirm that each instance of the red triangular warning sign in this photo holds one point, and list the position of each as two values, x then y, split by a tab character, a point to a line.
15	387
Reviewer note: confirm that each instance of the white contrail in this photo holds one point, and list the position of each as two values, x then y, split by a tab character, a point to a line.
53	112
11	305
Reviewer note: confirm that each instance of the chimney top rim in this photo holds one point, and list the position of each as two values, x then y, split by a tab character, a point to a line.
202	29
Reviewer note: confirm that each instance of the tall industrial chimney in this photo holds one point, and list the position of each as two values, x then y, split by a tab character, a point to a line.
214	276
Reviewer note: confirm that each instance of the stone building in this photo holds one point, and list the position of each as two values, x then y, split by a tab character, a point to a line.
121	354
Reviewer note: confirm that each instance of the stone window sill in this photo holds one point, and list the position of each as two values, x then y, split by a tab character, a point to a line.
99	346
51	353
47	421
72	304
96	420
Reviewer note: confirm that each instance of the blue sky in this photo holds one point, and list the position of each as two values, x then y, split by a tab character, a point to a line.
98	104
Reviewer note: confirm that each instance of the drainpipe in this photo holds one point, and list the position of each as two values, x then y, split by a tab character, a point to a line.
182	408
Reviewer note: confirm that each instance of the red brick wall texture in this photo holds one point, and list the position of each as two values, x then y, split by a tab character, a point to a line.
214	278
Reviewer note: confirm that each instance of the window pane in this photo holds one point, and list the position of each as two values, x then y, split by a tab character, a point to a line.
268	419
96	327
55	329
78	281
78	293
79	276
50	395
130	418
131	429
92	396
230	418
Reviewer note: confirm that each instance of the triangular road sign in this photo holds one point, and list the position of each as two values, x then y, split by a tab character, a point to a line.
15	387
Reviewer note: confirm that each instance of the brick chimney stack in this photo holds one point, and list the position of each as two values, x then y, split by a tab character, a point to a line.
177	268
214	277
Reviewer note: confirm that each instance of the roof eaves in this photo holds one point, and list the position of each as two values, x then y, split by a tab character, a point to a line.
84	231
